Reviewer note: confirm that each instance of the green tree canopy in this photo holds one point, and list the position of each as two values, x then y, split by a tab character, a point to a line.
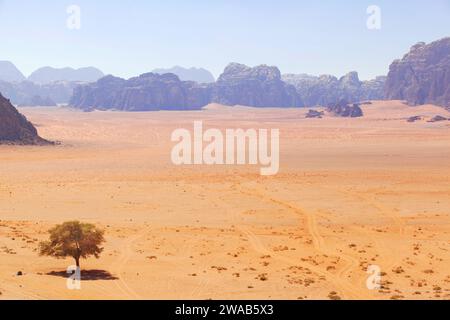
73	239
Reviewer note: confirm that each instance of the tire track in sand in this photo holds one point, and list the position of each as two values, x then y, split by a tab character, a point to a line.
318	243
398	222
121	262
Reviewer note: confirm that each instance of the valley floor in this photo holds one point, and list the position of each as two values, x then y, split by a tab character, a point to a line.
351	193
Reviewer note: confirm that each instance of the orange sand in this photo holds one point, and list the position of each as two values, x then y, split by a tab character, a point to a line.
350	193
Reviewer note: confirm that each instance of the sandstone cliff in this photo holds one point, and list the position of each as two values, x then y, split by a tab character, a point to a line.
422	76
148	92
260	86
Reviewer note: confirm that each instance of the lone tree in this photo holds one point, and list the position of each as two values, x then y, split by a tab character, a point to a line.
73	239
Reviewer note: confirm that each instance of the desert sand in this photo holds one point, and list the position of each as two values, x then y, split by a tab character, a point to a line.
350	193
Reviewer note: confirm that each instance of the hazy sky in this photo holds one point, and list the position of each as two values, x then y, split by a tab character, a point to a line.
126	38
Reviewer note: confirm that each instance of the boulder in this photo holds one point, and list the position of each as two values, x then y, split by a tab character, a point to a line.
414	119
314	114
438	119
346	110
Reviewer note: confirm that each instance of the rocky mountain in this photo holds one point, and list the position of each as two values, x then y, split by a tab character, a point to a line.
22	93
48	75
422	76
199	75
9	72
260	86
327	90
15	128
148	92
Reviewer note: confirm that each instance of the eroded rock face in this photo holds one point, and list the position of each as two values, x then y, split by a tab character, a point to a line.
15	128
148	92
255	87
327	90
422	76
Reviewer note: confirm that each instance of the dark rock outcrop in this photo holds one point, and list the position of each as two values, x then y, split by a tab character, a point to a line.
199	75
438	119
314	114
328	90
148	92
346	110
255	87
15	128
422	76
414	119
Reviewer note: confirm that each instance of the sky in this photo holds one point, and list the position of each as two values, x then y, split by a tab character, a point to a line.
128	38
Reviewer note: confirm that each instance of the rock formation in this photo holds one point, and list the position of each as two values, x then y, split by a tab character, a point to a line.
148	92
15	128
438	118
346	110
327	90
255	87
422	76
314	114
414	119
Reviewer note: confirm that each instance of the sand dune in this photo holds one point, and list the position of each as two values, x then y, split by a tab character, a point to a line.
350	193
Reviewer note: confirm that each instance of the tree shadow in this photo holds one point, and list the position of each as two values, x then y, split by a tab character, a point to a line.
86	275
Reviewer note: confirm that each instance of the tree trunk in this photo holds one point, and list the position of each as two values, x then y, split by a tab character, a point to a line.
77	260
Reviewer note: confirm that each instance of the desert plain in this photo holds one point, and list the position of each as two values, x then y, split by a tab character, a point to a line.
351	195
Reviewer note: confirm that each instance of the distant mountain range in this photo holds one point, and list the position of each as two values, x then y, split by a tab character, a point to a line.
46	86
199	75
48	75
27	93
421	76
260	86
9	72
